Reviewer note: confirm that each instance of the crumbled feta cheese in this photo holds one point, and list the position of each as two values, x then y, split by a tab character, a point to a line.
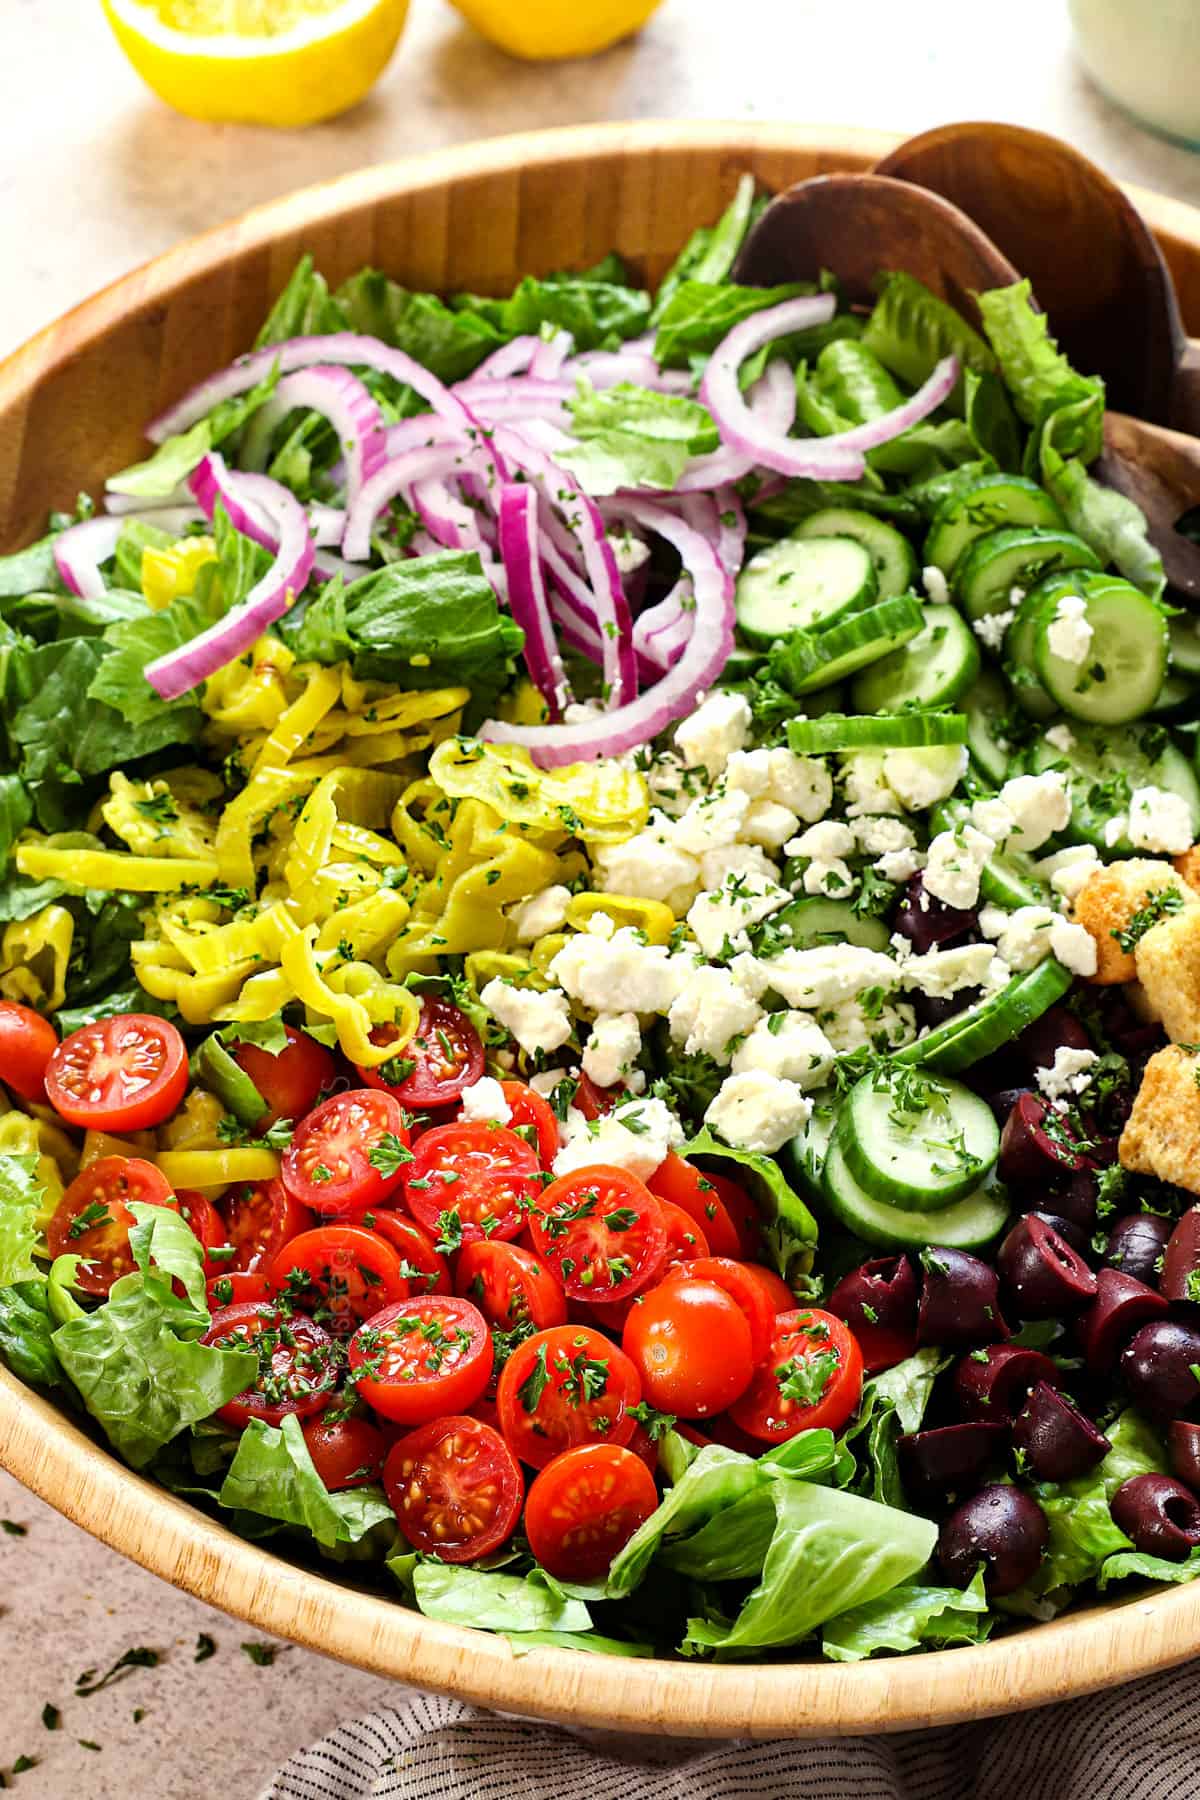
1040	805
935	584
612	1049
835	880
992	627
940	973
790	1045
920	778
749	772
620	974
582	712
649	865
545	1081
865	787
1159	820
877	836
749	974
955	863
824	841
538	1021
1115	829
710	1011
1061	737
801	783
1069	1073
900	865
994	818
671	785
1074	947
719	866
1069	635
1069	870
638	1135
757	1111
769	824
828	974
715	730
849	1028
726	912
712	822
540	914
1027	936
484	1099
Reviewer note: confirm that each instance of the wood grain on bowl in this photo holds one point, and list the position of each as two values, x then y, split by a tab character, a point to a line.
72	405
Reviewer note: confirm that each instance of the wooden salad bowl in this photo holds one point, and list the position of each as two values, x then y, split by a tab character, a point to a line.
72	406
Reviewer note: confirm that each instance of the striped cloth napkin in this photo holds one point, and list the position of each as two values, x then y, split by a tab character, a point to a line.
1140	1742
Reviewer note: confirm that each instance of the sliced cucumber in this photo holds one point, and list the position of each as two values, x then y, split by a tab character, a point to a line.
990	1024
966	1225
933	669
741	663
804	1155
985	706
893	731
1185	645
815	920
1015	556
1008	878
892	555
813	659
802	584
1020	660
985	505
1103	768
1176	693
918	1142
1122	669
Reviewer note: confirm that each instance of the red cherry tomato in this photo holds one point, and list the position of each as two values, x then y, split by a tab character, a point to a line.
585	1506
690	1344
235	1288
445	1052
486	1409
289	1080
297	1362
644	1447
602	1231
510	1286
92	1220
592	1100
428	1355
684	1240
260	1217
425	1271
207	1225
563	1387
340	1275
740	1284
27	1042
122	1074
348	1153
743	1213
529	1109
780	1297
684	1185
455	1488
346	1453
484	1173
814	1356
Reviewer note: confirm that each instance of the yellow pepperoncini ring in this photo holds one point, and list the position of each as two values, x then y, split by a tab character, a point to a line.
294	726
151	818
266	792
210	1172
200	998
34	954
167	574
652	917
602	802
544	952
101	1143
366	928
195	1125
523	705
482	966
355	997
243	698
419	834
114	870
22	1136
372	708
255	997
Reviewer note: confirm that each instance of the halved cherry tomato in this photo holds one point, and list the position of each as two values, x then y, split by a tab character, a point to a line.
684	1241
485	1408
690	1343
644	1447
602	1231
484	1174
510	1286
207	1225
348	1153
236	1288
429	1355
743	1213
592	1100
564	1387
340	1275
288	1080
27	1042
297	1362
780	1297
740	1283
445	1052
425	1271
585	1506
455	1488
346	1453
260	1217
684	1185
121	1074
93	1217
529	1109
812	1376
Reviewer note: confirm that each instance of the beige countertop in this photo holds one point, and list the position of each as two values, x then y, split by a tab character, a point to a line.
95	176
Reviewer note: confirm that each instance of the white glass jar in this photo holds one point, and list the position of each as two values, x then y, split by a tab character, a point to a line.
1145	54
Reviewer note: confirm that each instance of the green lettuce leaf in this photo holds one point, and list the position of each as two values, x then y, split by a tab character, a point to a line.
120	680
16	810
642	413
127	997
892	1403
910	330
162	1239
710	252
989	418
609	461
30	571
20	1200
700	313
303	309
1111	523
524	1641
1153	1568
789	1229
272	1474
448	343
908	1617
493	1602
713	1483
174	460
1038	376
27	1332
731	1545
598	314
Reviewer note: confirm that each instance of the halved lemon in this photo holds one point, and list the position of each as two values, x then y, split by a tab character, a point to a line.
547	30
258	62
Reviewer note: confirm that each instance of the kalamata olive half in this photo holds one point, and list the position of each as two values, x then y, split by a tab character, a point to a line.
1133	1037
1001	1527
1067	1229
1159	1364
1074	1199
1183	1448
1159	1514
1055	1030
1136	1245
960	1300
1002	1101
940	1463
1180	1278
878	1301
994	1383
935	1009
927	923
1056	1439
1042	1274
1036	1147
1121	1306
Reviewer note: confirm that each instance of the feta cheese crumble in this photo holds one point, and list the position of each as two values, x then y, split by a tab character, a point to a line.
715	730
538	1021
638	1135
1069	635
936	585
711	1010
788	1045
1159	820
1069	1073
612	1049
956	861
757	1111
540	914
484	1099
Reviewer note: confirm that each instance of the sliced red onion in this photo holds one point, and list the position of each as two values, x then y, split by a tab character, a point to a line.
446	517
510	359
527	598
772	400
80	549
130	503
339	397
550	355
245	497
327	523
660	625
399	474
606	368
183	669
707	649
731	528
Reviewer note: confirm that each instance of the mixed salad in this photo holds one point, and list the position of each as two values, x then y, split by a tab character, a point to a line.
600	952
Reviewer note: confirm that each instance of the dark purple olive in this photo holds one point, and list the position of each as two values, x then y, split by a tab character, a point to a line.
934	1010
1075	1199
1036	1146
1133	1037
1183	1448
928	923
1058	1441
1136	1244
1058	1028
878	1301
1043	1275
1067	1229
1159	1514
1002	1101
994	1383
1180	1278
1122	1305
1159	1364
960	1300
938	1464
1002	1528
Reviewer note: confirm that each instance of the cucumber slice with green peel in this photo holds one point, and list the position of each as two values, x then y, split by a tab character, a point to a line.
966	1225
804	1155
894	731
1121	670
933	669
917	1141
802	584
1020	661
813	659
1008	877
1185	645
1015	556
742	662
1177	693
1104	766
985	707
816	920
991	502
892	555
991	1023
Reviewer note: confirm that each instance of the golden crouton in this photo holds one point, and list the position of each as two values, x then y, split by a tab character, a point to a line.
1108	901
1188	865
1168	967
1162	1135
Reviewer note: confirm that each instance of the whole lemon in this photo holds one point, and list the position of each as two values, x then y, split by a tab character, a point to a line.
546	30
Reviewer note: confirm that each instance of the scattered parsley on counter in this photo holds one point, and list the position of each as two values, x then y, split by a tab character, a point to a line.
205	1647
